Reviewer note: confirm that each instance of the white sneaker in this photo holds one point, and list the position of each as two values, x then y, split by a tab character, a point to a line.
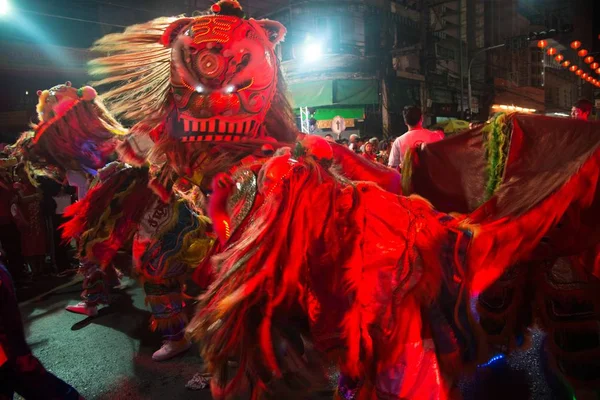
83	308
170	349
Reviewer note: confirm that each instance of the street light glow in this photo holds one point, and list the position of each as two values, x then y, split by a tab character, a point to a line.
4	7
312	51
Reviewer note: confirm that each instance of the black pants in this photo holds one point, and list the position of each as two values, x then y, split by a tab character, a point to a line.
61	249
22	373
11	243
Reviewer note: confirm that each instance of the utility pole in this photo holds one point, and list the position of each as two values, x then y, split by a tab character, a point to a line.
461	65
516	43
469	70
386	41
424	20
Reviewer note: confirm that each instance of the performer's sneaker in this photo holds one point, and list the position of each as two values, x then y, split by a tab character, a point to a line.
170	349
83	308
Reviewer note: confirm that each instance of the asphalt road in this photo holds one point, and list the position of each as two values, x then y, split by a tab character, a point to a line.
109	357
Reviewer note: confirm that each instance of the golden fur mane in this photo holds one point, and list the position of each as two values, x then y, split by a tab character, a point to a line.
137	68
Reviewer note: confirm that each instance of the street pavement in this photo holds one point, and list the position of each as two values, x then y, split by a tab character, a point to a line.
109	357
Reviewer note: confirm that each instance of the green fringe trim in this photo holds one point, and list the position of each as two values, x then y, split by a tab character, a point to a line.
498	132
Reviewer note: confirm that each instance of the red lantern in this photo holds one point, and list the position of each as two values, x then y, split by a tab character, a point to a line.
551	51
542	43
598	71
579	72
588	60
559	58
584	76
594	65
575	44
589	79
566	63
582	53
573	68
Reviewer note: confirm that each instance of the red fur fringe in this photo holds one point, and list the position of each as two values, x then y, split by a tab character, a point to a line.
129	155
160	190
108	216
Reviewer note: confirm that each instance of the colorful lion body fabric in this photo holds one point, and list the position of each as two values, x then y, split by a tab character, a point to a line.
520	160
384	283
206	97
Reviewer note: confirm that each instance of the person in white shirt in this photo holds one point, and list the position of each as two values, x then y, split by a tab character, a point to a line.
415	136
79	180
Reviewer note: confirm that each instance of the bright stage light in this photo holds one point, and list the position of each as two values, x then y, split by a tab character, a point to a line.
312	52
4	7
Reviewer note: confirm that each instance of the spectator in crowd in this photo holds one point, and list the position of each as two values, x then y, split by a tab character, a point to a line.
375	142
361	145
80	181
344	142
354	143
26	210
10	238
49	189
20	371
383	154
63	199
329	138
416	136
582	109
369	152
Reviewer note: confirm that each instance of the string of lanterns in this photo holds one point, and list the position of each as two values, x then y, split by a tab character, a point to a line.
582	53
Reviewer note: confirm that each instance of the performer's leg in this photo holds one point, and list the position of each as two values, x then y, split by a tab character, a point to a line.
168	317
347	388
415	374
568	302
95	291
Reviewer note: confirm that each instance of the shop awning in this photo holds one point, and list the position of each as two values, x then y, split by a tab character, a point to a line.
334	92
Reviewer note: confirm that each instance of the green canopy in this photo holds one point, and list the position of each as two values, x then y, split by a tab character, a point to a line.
324	114
334	92
452	126
311	94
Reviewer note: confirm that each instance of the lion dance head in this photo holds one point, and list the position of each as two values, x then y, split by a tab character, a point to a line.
209	84
75	131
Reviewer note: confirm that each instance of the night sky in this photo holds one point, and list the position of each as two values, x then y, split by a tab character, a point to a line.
71	33
22	25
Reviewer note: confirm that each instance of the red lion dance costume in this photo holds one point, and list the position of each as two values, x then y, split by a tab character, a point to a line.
385	284
74	137
382	285
520	160
75	133
195	88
